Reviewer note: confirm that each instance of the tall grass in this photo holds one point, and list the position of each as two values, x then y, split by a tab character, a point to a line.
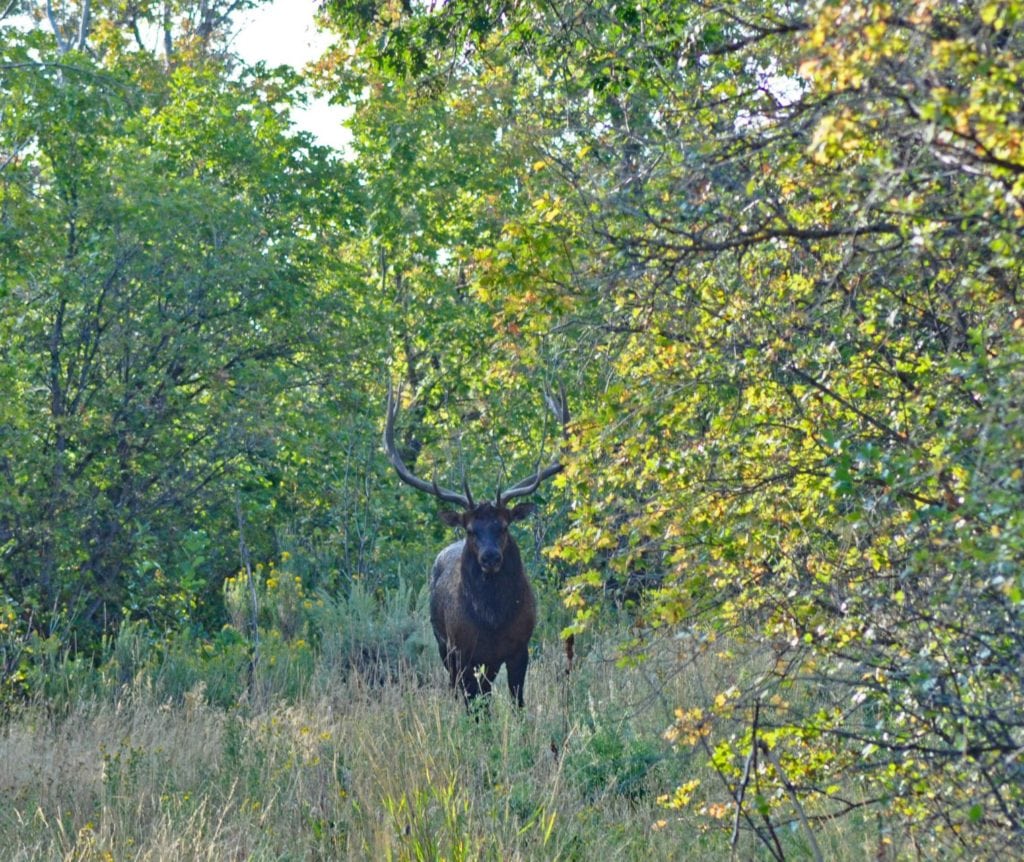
354	766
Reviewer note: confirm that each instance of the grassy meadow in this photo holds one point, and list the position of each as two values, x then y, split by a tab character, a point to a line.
345	764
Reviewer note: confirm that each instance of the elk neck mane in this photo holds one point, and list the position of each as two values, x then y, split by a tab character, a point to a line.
492	600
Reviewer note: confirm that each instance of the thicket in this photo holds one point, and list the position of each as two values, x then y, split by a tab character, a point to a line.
771	250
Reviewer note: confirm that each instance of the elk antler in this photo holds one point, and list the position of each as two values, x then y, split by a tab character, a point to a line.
559	405
406	475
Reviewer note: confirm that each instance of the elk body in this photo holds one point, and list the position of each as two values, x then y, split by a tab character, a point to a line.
482	607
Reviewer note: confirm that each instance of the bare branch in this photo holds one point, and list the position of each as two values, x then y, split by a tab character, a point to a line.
84	24
62	46
815	849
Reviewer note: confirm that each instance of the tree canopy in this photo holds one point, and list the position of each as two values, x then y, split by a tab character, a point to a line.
771	250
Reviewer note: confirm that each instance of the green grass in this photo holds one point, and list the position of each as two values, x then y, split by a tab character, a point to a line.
350	769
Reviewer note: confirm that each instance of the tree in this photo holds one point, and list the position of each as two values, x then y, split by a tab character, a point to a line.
440	183
187	29
164	304
786	243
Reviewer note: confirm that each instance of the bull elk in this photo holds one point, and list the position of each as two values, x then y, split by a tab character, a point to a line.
482	607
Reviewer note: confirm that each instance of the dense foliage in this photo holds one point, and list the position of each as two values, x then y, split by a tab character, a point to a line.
179	340
779	245
772	251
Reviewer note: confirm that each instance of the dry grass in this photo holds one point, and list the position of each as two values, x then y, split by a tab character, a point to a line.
354	771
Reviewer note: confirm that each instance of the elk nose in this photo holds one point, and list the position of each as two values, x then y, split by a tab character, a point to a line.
490	559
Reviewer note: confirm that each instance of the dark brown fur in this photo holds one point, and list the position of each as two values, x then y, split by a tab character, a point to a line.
482	607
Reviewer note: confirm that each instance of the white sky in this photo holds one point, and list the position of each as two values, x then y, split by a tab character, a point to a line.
283	32
280	32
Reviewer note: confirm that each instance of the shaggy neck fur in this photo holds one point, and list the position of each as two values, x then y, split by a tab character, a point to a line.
493	600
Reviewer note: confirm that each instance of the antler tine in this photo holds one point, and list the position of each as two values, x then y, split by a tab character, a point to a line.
559	405
404	473
527	486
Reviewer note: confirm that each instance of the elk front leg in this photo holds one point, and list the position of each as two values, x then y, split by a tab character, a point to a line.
516	667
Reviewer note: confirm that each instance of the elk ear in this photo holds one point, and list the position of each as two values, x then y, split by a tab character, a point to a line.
523	510
452	519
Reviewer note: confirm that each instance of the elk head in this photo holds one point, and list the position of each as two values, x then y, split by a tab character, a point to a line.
486	528
486	524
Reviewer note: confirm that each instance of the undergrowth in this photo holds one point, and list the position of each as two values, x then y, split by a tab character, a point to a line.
343	742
